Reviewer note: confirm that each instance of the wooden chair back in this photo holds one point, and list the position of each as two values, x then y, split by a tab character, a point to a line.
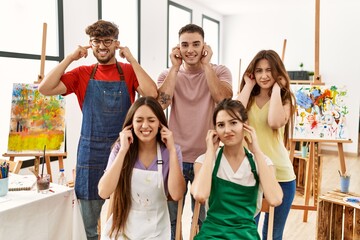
178	233
194	223
265	207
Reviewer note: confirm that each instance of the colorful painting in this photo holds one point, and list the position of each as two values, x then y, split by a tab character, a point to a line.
36	120
321	112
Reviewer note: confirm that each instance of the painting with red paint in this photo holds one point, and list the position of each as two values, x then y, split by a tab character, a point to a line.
36	120
321	112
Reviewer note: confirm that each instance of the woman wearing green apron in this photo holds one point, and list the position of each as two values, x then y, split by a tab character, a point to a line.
232	178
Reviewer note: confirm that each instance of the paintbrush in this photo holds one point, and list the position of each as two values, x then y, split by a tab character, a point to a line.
43	161
33	171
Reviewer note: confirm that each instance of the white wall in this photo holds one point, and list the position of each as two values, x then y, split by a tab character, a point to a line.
243	36
154	32
262	28
74	35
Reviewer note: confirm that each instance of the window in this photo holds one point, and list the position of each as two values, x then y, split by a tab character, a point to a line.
212	33
24	38
178	17
126	19
21	47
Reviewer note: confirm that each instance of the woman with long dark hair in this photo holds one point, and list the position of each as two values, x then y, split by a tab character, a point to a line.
143	171
266	94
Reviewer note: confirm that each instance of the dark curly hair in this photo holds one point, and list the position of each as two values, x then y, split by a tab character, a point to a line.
103	28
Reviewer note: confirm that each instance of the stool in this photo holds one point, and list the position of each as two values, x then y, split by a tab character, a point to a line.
337	219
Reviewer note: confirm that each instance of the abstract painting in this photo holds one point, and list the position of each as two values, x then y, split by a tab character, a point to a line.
36	120
321	112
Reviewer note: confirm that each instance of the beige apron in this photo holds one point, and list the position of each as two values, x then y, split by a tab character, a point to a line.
149	215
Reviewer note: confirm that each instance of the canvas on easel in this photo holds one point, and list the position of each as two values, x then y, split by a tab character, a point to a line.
321	112
36	120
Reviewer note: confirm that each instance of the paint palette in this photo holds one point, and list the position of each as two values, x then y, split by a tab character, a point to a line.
353	201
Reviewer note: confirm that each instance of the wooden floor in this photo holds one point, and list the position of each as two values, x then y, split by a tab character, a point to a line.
295	228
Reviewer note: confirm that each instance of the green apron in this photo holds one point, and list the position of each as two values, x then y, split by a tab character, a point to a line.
231	208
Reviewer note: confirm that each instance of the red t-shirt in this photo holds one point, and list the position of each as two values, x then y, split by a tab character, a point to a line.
76	80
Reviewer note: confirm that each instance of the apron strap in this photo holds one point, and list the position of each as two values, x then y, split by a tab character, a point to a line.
121	73
94	71
160	163
248	155
252	164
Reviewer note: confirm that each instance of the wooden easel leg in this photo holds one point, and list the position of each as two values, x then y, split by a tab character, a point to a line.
308	180
61	162
342	158
36	165
48	167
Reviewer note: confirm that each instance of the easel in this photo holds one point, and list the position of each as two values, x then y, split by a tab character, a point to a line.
37	156
313	169
314	162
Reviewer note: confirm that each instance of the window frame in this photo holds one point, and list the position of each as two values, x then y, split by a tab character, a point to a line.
204	17
58	58
180	7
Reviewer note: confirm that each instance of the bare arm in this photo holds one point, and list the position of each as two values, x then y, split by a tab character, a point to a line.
147	86
176	182
51	85
166	89
201	186
218	89
245	93
278	113
110	179
272	190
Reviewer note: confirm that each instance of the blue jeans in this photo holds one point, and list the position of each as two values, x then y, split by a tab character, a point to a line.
188	172
90	211
281	212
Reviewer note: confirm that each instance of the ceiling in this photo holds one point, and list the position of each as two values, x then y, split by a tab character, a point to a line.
235	7
227	7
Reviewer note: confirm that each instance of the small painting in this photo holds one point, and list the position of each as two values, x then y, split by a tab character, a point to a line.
321	112
36	120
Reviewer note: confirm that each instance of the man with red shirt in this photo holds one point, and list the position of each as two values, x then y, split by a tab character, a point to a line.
105	91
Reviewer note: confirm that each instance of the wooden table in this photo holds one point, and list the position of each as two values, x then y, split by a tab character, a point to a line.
313	169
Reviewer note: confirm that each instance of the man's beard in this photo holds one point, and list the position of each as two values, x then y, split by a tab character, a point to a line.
104	60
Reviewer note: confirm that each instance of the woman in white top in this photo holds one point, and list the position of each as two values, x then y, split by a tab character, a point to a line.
144	169
230	177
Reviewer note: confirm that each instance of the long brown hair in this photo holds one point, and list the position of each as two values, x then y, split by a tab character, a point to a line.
277	70
122	195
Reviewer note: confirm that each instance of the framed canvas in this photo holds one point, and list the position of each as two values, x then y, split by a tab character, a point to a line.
36	120
321	112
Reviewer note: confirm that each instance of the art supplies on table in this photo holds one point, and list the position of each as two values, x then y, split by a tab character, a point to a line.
4	170
19	182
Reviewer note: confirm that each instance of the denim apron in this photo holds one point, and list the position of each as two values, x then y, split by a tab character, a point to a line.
231	208
104	109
